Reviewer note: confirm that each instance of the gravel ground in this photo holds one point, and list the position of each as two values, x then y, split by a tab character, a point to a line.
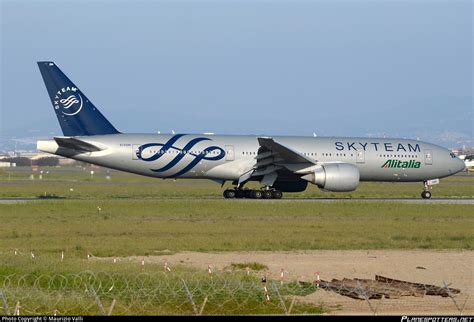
430	267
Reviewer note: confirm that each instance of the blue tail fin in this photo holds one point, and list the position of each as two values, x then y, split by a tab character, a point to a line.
76	114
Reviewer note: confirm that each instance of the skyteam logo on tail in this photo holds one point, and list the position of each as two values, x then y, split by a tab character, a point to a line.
68	100
188	154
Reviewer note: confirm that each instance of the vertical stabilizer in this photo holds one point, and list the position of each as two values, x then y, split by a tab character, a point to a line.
77	115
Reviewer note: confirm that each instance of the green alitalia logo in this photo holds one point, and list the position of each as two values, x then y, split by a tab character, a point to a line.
412	164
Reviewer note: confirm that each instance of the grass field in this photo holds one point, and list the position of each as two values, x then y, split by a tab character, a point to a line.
143	216
138	216
147	227
58	182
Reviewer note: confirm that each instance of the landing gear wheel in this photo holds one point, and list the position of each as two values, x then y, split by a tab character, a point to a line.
426	194
229	194
277	194
267	194
248	193
256	194
252	194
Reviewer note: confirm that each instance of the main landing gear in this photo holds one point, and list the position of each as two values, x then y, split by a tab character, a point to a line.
253	194
426	194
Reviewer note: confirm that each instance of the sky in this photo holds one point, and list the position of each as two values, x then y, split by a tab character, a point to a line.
334	68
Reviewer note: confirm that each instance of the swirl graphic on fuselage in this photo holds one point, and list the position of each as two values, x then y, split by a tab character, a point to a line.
204	154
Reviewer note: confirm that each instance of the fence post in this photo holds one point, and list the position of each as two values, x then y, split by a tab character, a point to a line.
190	297
265	290
5	304
203	305
279	297
450	294
17	309
111	307
97	300
362	291
291	305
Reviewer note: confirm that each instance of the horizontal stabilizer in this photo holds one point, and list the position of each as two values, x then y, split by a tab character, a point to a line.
76	144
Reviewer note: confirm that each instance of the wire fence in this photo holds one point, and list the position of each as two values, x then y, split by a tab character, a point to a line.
191	293
92	293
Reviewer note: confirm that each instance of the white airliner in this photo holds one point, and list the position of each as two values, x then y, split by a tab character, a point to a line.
279	163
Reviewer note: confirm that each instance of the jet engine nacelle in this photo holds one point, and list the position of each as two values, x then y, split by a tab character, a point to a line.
336	177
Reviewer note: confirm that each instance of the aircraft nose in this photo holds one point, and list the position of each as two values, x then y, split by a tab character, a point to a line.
459	166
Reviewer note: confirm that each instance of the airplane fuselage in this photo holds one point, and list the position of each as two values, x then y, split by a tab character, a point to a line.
227	157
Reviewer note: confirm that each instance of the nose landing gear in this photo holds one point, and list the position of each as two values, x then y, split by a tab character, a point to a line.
426	194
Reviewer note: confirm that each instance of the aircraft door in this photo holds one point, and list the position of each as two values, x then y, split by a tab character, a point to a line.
135	151
428	157
229	153
360	157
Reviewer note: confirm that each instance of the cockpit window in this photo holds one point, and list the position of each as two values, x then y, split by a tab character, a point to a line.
452	155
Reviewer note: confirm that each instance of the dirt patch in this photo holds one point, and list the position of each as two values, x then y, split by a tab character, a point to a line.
431	267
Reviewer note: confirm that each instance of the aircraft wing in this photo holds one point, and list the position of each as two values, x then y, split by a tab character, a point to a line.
287	154
272	157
